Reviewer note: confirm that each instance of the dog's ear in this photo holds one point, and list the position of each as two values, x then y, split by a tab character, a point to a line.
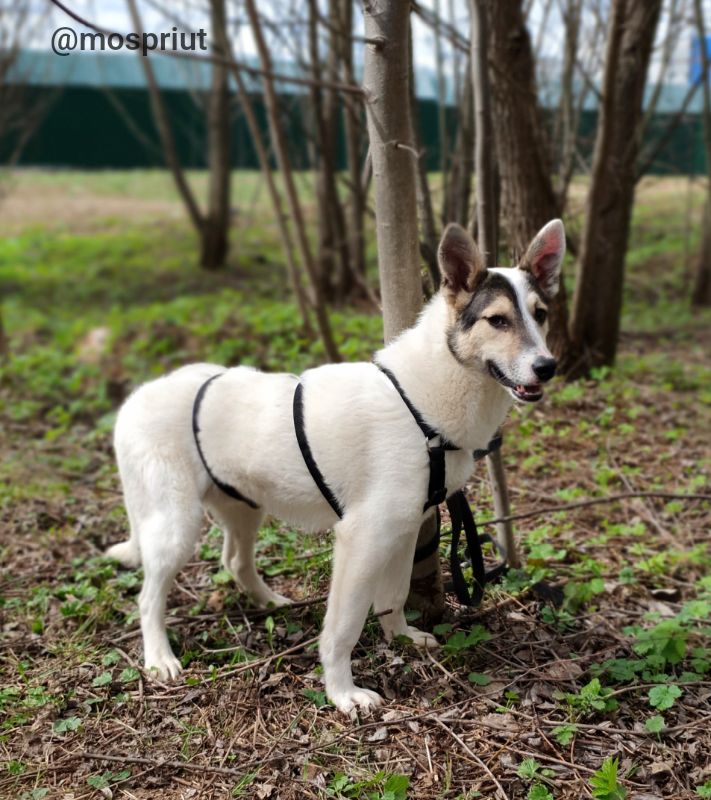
544	256
460	262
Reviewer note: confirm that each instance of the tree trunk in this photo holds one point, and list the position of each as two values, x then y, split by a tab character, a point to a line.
215	234
460	184
282	156
568	120
352	129
277	204
528	200
165	132
701	293
429	239
385	80
488	229
597	303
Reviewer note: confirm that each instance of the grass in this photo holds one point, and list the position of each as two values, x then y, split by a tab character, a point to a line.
587	698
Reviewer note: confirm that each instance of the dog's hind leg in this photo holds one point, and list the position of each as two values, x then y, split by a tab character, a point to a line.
127	553
392	592
240	524
167	540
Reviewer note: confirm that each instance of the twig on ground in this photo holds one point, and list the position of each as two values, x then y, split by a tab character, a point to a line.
593	501
473	755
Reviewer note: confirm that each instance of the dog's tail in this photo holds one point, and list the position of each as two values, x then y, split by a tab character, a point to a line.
126	553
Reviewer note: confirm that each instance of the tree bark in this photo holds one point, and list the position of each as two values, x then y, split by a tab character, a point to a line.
701	293
460	184
215	237
429	239
528	200
385	80
352	129
597	303
488	230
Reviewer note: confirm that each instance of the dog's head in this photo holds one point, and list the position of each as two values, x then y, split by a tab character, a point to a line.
499	316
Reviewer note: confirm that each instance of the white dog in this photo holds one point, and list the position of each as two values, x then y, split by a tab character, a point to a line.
478	345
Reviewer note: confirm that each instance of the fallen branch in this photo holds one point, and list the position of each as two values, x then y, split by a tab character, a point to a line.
157	763
594	501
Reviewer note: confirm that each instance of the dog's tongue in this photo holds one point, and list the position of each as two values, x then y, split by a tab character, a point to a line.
534	388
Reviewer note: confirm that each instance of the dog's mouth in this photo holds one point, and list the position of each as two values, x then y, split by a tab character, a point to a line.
530	393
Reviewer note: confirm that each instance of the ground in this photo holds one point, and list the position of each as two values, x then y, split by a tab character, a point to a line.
605	695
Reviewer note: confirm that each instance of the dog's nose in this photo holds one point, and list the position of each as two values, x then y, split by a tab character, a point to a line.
544	368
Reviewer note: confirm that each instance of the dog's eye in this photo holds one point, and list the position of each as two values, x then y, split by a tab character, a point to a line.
540	315
497	321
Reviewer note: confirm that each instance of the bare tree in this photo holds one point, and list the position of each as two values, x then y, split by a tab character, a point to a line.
701	293
21	110
488	232
278	141
528	200
385	79
352	126
215	240
568	112
210	235
597	302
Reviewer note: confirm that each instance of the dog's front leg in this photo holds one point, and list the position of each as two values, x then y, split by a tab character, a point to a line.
359	554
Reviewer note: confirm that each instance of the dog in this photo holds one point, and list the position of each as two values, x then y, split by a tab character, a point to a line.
478	347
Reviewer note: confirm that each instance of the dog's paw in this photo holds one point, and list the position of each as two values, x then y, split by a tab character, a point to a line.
270	599
163	667
354	699
422	638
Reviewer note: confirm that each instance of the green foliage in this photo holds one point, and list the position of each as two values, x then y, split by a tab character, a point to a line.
593	698
564	733
704	790
66	725
604	782
664	696
539	792
667	640
655	724
319	699
464	640
107	778
528	769
479	678
103	679
381	786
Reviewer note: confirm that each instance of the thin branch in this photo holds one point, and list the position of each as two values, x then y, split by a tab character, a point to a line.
594	501
473	755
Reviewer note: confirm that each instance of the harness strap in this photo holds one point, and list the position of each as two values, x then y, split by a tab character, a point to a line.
225	487
308	456
436	488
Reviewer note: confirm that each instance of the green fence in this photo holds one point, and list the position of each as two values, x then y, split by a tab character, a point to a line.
93	128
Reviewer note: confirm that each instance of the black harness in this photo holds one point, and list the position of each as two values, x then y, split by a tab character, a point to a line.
459	509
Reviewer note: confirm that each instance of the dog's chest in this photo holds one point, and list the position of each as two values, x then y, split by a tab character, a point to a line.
459	465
